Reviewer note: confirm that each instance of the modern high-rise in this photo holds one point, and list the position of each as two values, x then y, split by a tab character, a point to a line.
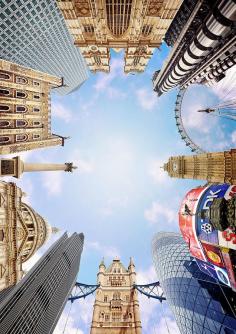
200	304
213	167
22	232
138	27
203	39
34	34
116	306
25	109
15	167
35	304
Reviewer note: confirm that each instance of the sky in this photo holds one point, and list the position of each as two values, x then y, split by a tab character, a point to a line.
119	197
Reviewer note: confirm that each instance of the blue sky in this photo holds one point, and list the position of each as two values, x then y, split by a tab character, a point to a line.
121	134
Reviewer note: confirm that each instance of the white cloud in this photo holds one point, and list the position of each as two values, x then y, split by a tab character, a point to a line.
159	213
146	98
105	251
197	120
163	329
52	182
146	276
71	326
59	111
114	204
105	80
157	173
32	261
81	159
233	137
80	317
152	310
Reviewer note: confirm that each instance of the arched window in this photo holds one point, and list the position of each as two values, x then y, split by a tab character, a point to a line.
36	136
4	139
21	123
36	83
21	137
21	109
4	124
20	95
21	80
4	107
4	91
130	315
4	76
36	109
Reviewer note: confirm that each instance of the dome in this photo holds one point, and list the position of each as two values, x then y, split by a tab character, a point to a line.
38	231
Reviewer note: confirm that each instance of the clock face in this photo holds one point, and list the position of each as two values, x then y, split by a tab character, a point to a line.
175	166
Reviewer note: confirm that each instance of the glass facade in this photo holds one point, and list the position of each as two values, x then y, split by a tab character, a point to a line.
34	305
34	34
200	304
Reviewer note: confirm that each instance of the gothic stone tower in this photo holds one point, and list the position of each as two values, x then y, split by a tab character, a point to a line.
25	119
22	232
116	307
137	26
219	167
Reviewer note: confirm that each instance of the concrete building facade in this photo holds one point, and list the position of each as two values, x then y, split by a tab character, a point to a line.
116	306
34	34
136	26
25	109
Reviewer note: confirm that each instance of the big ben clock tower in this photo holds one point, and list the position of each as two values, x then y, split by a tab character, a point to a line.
216	167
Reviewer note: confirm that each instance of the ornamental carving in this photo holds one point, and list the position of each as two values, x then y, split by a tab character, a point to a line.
118	24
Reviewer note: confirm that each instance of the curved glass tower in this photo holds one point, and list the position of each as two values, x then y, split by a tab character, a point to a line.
199	303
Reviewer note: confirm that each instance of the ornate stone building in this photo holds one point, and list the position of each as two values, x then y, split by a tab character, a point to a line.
136	26
219	167
22	232
15	167
25	117
116	307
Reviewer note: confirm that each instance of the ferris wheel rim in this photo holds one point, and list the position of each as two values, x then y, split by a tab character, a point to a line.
179	123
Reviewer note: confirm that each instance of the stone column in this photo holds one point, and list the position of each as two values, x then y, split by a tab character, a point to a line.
38	167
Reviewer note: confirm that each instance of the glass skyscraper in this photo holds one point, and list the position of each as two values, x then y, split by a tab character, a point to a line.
35	304
34	34
199	303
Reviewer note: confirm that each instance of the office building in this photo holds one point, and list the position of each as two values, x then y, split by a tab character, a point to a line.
200	304
34	35
35	304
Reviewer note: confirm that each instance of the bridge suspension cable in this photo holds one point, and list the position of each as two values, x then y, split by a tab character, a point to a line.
152	290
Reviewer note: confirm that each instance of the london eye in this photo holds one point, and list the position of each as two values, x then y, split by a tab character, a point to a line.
224	108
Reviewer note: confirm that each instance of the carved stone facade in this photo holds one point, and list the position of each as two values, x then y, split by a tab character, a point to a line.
116	307
136	26
22	232
25	119
219	167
